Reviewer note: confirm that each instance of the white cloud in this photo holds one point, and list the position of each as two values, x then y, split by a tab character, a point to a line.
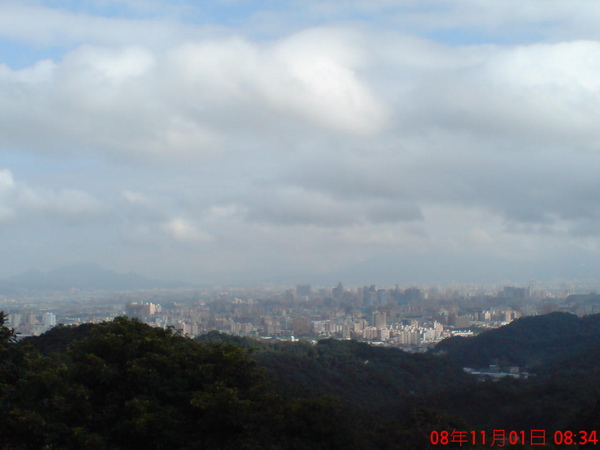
323	83
135	102
183	230
109	65
304	77
66	204
21	202
7	183
136	198
47	26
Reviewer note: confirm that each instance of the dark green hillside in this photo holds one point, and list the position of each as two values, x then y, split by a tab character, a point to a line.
527	342
564	352
59	338
563	349
374	378
357	373
126	385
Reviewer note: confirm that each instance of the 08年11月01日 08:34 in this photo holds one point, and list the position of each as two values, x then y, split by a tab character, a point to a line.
501	438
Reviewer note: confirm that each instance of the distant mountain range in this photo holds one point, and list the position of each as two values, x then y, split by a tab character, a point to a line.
84	276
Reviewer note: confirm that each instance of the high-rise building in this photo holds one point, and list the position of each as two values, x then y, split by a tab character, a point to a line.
303	290
369	295
380	320
301	326
140	310
337	292
14	320
461	322
48	320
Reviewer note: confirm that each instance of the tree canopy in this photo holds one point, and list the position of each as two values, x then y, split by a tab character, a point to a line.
129	385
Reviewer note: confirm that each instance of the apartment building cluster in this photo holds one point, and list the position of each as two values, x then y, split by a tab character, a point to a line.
365	314
32	323
404	317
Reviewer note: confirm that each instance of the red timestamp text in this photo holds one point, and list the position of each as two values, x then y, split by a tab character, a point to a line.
580	437
502	438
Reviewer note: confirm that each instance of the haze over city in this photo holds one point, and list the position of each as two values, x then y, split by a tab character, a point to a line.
302	141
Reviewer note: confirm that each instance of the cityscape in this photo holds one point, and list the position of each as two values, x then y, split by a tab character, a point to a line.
410	318
312	224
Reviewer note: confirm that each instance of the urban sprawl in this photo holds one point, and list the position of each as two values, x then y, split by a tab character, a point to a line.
412	318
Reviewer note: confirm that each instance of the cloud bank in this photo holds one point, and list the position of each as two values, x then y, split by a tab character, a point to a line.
216	144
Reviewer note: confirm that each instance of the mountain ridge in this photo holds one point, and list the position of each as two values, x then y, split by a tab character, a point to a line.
83	276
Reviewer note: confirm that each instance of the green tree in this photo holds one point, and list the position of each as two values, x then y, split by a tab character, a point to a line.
128	385
7	335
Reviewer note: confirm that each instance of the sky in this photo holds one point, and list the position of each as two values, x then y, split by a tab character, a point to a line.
362	141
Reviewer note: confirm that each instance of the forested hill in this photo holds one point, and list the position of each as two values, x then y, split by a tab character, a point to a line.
563	353
126	385
530	342
562	349
362	375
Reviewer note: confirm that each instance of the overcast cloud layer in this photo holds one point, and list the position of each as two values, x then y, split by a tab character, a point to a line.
247	141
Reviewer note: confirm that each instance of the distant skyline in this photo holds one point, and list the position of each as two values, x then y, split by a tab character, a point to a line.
306	141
